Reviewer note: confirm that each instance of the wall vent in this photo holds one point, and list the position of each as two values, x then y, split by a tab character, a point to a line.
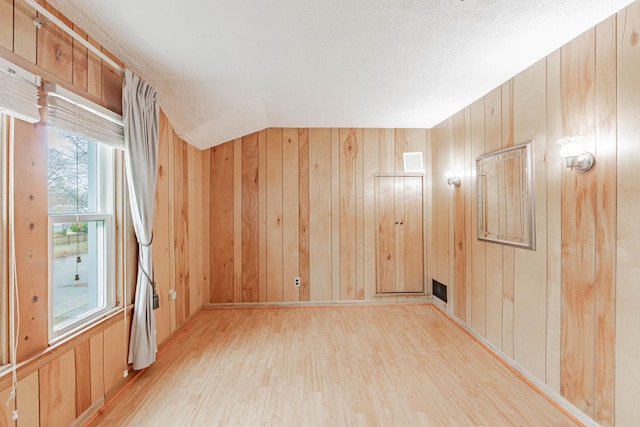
440	290
412	162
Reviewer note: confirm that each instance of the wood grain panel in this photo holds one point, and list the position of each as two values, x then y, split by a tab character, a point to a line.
606	201
398	247
193	286
359	213
399	147
290	214
8	404
30	179
111	87
262	215
320	238
199	218
94	71
441	204
386	151
80	62
578	242
508	253
171	225
370	154
181	228
27	403
58	391
55	48
205	226
530	299
493	252
459	215
335	215
413	236
627	374
237	220
554	251
274	215
348	154
24	32
83	376
222	223
161	252
250	256
96	351
114	358
303	199
386	226
478	300
6	24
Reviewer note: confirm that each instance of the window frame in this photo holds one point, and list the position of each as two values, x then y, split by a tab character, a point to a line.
106	184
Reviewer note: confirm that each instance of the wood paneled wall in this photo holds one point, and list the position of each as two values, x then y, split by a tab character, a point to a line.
58	384
567	311
291	203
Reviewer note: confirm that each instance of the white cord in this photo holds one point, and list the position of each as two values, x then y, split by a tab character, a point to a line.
13	282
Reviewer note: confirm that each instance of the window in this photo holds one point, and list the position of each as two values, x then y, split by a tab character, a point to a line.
81	235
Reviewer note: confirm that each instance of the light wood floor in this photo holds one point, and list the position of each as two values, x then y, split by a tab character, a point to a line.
328	366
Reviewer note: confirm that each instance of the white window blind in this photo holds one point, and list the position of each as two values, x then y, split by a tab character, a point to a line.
19	92
71	112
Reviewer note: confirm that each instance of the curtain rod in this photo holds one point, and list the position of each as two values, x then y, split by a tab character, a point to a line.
51	17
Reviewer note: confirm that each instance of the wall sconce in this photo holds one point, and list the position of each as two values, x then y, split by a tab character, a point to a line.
574	154
453	180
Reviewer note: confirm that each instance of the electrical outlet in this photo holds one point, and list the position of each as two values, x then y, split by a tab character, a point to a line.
172	295
296	282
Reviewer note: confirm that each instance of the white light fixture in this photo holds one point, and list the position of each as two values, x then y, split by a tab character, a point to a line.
453	179
574	154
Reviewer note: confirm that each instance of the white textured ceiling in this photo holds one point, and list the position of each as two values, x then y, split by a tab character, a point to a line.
226	68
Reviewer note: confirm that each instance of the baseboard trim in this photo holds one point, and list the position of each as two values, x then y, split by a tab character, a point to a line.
422	300
550	394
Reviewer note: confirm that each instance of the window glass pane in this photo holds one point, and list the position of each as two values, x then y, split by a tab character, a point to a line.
72	173
78	269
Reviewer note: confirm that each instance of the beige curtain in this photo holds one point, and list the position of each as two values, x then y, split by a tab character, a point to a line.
140	113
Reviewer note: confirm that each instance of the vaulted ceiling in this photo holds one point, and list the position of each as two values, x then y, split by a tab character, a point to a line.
226	68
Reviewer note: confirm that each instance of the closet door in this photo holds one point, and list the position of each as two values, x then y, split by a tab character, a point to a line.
400	246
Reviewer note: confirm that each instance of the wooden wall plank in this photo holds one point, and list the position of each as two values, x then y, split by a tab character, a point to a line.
80	62
193	286
441	205
370	153
94	71
348	154
6	24
478	300
161	252
399	147
335	215
9	404
627	322
250	256
386	227
412	223
530	299
359	214
82	376
30	152
606	201
96	351
114	361
171	219
111	87
27	402
320	210
181	228
237	220
578	242
303	197
493	252
57	384
205	227
554	251
199	218
508	253
274	216
429	210
459	214
290	214
262	215
222	223
55	48
24	33
468	229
